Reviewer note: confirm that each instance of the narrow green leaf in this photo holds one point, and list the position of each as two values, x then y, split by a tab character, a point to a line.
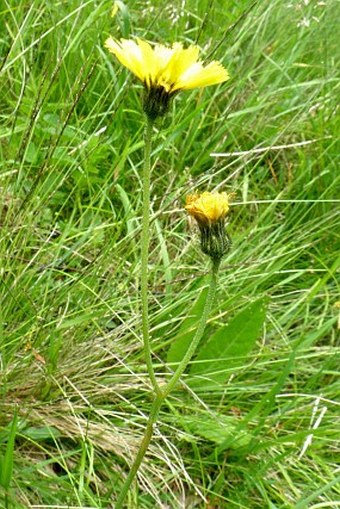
165	256
131	222
187	329
228	348
39	434
125	23
8	459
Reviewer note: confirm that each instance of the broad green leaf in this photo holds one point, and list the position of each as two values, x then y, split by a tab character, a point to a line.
220	429
229	346
187	330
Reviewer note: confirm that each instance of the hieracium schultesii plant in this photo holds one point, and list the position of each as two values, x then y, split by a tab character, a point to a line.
164	72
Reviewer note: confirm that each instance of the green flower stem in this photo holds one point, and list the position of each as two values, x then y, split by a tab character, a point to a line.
145	241
160	396
142	449
199	331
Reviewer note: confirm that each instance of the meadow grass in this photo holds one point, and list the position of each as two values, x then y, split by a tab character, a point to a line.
74	387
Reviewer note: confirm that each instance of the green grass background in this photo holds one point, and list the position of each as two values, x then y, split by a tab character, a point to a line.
71	359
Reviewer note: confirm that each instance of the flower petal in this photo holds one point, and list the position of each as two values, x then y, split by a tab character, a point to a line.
129	54
208	207
198	76
179	63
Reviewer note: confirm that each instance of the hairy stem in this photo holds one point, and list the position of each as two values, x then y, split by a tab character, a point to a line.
145	254
142	449
199	331
161	395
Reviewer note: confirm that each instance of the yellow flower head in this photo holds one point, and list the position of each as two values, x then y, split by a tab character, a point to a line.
165	70
208	208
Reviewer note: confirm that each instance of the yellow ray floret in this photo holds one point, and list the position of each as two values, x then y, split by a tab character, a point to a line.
173	68
208	207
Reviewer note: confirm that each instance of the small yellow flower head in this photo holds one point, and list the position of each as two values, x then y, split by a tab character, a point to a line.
208	207
210	210
164	70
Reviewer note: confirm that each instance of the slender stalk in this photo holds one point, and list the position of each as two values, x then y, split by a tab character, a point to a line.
161	395
142	449
145	253
199	331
